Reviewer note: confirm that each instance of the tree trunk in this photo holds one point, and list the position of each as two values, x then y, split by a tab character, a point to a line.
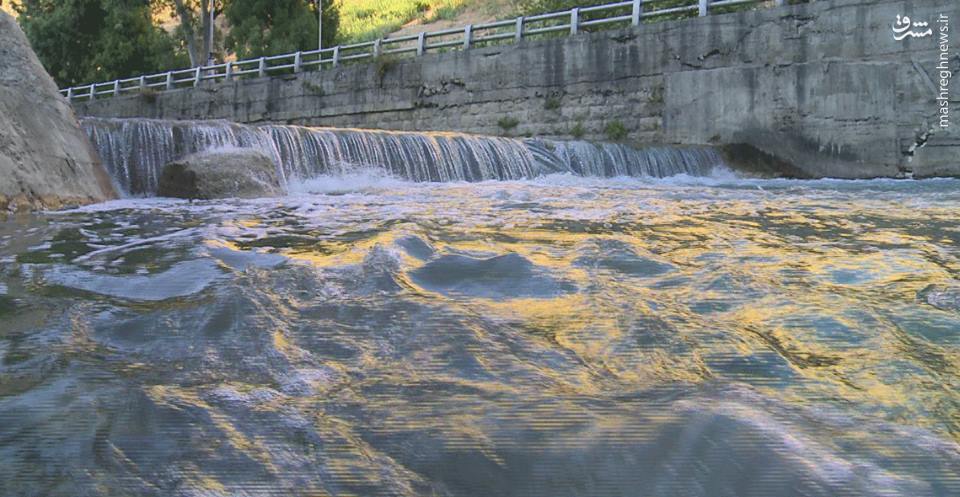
186	24
198	47
205	6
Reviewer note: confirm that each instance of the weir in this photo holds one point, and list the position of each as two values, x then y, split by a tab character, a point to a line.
134	151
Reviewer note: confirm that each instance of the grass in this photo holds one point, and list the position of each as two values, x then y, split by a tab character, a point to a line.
578	131
384	63
445	12
365	20
8	7
616	131
149	95
313	88
507	123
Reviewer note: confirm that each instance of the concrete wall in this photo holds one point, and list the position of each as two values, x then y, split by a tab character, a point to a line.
823	86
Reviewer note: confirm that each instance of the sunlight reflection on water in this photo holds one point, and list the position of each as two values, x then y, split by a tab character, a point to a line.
558	337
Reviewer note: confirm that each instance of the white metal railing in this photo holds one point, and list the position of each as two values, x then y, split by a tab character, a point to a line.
570	21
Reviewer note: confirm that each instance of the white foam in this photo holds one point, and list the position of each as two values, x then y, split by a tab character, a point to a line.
360	181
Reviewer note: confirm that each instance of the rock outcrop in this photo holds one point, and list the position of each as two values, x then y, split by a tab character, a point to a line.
243	173
46	161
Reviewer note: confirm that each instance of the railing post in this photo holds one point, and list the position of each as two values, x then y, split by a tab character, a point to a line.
72	93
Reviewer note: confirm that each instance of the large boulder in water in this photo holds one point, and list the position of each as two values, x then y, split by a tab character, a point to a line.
46	160
244	173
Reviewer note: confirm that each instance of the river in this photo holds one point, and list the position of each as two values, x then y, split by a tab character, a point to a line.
555	336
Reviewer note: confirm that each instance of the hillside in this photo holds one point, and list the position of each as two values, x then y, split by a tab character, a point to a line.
7	6
364	20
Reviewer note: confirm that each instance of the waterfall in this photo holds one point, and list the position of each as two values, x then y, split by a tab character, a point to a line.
134	152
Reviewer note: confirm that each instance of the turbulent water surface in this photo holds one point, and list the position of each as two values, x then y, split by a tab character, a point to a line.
561	336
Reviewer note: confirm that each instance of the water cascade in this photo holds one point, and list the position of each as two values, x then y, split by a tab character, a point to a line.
135	151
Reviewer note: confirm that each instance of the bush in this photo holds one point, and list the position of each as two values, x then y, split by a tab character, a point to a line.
507	123
552	103
149	95
384	64
616	131
578	131
445	13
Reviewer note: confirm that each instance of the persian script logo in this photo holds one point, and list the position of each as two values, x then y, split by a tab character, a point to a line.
904	28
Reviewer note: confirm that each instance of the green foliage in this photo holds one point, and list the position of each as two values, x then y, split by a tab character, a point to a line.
507	123
616	131
656	95
365	20
528	7
270	27
313	88
445	12
149	95
552	103
384	64
541	6
80	41
578	131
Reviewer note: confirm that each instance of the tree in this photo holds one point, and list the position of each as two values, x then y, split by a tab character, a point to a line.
270	27
83	41
194	27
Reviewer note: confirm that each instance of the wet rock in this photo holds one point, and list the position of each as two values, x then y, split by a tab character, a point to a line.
45	158
243	173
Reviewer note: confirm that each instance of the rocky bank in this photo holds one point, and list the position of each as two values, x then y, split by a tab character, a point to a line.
46	161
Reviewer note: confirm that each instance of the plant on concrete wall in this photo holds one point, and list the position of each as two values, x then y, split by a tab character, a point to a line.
149	95
507	123
552	103
616	131
578	131
656	95
313	88
384	64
